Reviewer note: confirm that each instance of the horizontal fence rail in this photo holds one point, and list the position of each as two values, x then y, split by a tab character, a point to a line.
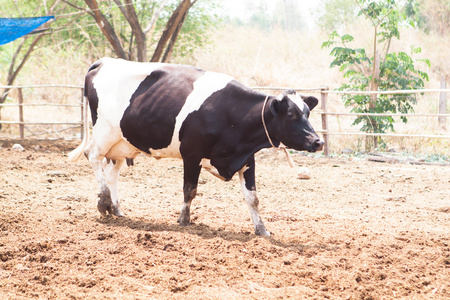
326	91
39	104
323	111
381	114
70	86
21	105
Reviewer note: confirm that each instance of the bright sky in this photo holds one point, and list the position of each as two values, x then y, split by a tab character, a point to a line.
237	8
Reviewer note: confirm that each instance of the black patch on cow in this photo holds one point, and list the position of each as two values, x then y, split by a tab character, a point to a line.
89	90
149	120
227	129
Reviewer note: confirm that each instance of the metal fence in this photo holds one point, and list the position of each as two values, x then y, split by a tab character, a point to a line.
323	111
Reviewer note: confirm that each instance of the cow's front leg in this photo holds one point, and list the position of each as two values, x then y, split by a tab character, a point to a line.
191	172
247	179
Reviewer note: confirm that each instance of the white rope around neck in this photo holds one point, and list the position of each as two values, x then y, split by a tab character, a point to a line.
281	147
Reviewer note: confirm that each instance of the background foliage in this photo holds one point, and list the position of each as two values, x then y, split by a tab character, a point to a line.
385	70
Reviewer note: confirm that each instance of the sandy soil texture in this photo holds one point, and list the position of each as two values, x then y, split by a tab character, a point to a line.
355	230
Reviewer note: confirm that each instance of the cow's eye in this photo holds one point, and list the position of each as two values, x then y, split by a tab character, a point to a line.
291	115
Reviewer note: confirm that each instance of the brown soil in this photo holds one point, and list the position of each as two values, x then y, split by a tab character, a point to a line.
355	230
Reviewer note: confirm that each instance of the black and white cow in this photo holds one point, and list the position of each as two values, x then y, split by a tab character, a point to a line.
208	119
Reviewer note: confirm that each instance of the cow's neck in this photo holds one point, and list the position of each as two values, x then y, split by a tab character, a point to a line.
266	119
261	136
255	137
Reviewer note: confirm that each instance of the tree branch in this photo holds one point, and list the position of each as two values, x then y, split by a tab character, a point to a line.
364	12
137	30
173	39
12	74
170	28
79	8
106	28
155	17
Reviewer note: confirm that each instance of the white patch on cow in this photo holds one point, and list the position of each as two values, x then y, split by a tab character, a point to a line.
296	98
298	101
115	83
206	164
204	87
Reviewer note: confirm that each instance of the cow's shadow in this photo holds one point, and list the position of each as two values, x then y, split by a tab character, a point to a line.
207	232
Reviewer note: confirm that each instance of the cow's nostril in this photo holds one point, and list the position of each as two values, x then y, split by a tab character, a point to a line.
318	144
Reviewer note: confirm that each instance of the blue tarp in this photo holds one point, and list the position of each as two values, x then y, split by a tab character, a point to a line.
13	28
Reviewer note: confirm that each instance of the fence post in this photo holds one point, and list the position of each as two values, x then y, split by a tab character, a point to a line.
443	105
82	114
21	125
323	106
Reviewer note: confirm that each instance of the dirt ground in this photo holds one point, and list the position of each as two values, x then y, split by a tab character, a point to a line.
356	230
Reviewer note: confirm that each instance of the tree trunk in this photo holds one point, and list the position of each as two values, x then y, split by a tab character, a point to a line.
173	39
137	30
170	28
106	28
372	142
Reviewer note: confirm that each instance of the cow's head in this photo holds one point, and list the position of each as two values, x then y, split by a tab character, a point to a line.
290	125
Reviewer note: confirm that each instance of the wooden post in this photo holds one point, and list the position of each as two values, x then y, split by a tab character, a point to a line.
82	114
21	125
323	106
443	105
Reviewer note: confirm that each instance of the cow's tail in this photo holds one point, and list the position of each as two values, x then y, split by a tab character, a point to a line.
75	154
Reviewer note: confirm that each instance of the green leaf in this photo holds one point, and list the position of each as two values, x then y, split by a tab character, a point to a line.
346	38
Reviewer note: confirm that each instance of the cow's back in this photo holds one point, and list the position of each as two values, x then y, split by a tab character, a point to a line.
148	102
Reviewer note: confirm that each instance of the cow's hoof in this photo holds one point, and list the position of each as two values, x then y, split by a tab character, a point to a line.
261	230
184	221
262	233
104	203
117	211
104	208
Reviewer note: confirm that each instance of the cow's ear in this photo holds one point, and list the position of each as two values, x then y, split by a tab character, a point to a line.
311	102
275	106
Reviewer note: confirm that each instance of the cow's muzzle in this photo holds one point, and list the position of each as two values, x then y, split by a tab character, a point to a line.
317	145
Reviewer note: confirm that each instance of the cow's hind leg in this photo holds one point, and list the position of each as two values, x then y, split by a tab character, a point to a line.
104	204
101	143
111	172
191	172
247	179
